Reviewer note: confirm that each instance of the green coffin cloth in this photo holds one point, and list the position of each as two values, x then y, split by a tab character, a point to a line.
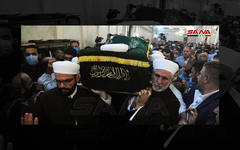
115	71
132	42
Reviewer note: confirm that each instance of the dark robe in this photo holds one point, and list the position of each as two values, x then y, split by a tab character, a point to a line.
161	108
86	108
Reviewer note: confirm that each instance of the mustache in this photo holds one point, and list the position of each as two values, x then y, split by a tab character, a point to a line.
158	85
64	88
64	91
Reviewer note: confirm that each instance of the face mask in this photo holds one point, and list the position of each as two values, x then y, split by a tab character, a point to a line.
77	49
32	60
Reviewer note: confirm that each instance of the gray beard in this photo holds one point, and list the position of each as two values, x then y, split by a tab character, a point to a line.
162	89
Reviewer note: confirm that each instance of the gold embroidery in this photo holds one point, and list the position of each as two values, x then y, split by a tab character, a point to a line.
109	72
148	51
114	59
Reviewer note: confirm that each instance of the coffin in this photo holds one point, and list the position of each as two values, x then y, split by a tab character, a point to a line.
115	71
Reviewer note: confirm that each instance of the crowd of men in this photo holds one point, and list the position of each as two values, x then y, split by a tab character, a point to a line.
193	59
184	91
192	93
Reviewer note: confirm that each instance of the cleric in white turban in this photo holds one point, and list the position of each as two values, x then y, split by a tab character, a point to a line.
166	65
66	67
67	103
163	97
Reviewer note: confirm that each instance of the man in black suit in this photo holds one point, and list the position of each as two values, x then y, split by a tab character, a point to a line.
202	101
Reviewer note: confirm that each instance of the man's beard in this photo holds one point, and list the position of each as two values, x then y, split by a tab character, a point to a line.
67	91
157	89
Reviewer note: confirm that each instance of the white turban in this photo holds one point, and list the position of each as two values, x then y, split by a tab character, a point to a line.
165	65
156	55
75	60
66	67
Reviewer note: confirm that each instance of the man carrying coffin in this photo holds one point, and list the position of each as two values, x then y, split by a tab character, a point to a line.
160	104
67	104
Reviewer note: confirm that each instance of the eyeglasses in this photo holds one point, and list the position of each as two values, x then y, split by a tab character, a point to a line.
64	81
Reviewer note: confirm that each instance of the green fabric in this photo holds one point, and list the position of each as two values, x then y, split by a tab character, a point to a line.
132	42
136	45
91	49
137	51
107	75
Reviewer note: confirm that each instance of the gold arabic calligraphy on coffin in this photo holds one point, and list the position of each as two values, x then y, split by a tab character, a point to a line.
110	72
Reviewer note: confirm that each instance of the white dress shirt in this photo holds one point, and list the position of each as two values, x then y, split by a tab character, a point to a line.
132	109
199	98
48	81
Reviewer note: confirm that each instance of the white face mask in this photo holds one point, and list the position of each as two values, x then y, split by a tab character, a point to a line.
32	60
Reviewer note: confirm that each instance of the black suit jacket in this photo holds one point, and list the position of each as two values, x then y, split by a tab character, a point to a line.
205	109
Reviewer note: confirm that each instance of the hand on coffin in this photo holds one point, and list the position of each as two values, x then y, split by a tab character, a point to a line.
102	94
143	97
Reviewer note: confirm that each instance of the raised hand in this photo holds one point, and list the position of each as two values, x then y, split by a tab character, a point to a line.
29	120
